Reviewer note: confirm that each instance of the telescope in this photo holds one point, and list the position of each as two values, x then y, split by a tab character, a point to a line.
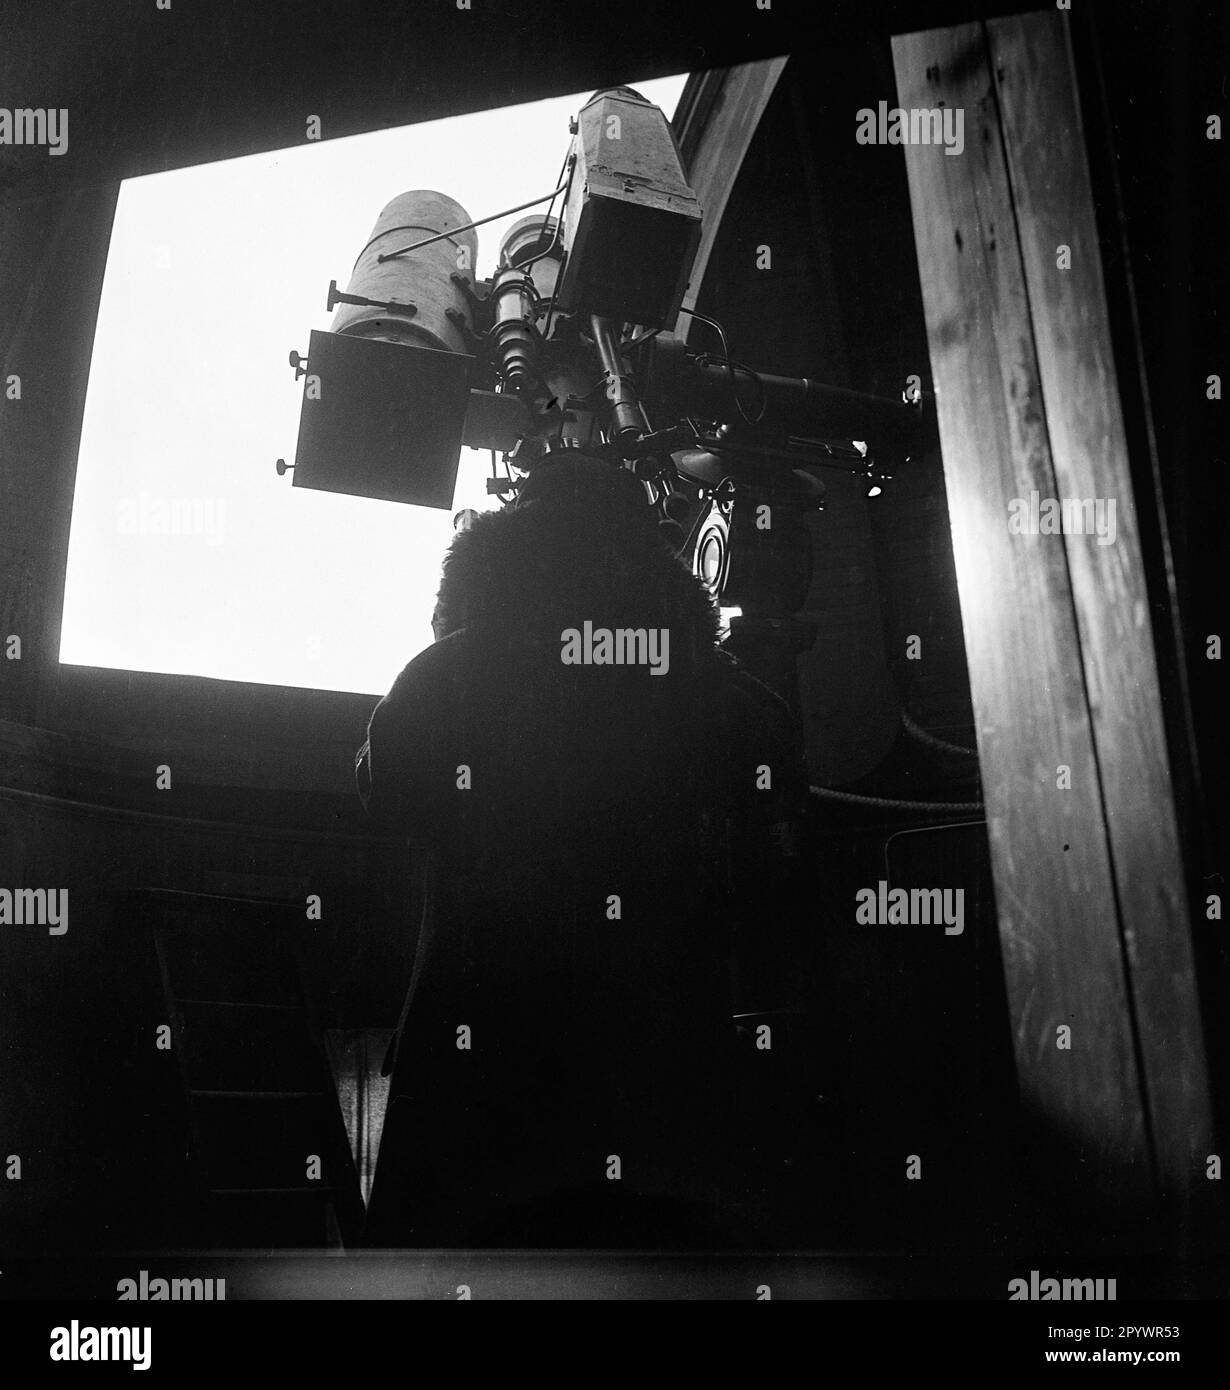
570	349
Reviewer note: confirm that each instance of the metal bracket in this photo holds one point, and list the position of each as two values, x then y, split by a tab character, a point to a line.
391	306
466	286
471	340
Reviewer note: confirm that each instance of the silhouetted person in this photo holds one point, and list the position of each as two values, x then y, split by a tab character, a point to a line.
565	1068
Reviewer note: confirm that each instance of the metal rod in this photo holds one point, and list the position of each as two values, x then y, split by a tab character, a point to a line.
798	404
624	403
469	226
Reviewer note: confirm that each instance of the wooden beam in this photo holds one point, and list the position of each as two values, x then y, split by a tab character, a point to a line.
716	154
1089	885
1036	88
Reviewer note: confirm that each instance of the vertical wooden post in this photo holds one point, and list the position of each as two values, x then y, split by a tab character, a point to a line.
1093	913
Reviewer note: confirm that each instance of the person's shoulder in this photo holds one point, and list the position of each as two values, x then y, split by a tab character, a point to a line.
458	668
436	663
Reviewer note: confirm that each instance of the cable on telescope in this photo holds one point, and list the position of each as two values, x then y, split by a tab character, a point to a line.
730	367
570	163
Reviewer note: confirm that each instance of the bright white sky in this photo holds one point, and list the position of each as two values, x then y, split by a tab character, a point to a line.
214	274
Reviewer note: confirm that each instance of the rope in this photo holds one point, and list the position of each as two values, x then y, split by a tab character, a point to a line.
930	739
896	804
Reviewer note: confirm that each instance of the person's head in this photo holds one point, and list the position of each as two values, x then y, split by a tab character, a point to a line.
581	545
587	487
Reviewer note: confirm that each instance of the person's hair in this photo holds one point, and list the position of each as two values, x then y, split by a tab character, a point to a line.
543	567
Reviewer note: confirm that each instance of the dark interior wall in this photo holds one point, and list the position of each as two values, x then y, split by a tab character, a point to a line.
47	338
911	1052
840	303
91	1106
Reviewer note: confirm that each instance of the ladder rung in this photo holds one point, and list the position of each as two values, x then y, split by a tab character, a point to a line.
260	1095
